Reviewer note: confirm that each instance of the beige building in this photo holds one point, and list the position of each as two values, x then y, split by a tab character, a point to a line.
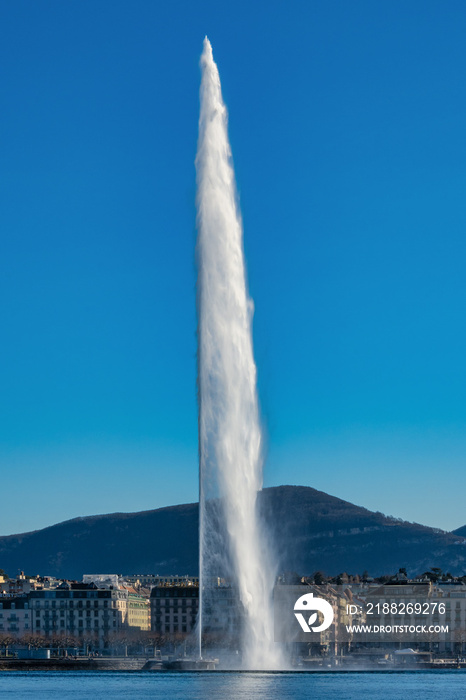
83	610
138	610
20	585
78	610
454	597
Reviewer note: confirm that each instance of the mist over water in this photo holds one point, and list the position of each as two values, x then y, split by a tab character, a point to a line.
233	544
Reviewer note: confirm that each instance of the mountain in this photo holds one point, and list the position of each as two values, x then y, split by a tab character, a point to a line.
461	531
311	530
318	531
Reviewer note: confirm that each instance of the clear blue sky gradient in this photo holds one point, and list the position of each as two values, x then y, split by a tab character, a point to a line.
347	122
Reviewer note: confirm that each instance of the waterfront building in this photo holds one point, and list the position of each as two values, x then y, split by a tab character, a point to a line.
174	608
138	610
336	640
149	580
85	610
79	609
22	585
15	616
454	596
446	608
102	580
223	613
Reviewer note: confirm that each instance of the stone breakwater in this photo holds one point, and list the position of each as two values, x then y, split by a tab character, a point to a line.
71	664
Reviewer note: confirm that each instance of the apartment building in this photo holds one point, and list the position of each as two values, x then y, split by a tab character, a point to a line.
150	580
15	616
174	608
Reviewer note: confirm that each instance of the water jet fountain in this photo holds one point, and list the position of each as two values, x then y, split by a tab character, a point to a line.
234	555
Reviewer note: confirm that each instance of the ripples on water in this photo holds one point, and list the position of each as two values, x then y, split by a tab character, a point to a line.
426	685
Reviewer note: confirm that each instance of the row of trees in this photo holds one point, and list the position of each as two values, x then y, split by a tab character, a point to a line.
129	641
435	574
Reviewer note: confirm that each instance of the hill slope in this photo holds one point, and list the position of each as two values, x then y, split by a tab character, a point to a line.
461	531
311	530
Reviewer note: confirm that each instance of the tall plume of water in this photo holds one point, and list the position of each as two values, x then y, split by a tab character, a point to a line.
232	542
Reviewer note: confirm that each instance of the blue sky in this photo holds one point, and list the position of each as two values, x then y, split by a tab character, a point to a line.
347	123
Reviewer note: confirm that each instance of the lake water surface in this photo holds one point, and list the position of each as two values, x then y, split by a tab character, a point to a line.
421	685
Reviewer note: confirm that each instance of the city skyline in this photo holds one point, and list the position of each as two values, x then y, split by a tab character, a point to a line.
347	132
